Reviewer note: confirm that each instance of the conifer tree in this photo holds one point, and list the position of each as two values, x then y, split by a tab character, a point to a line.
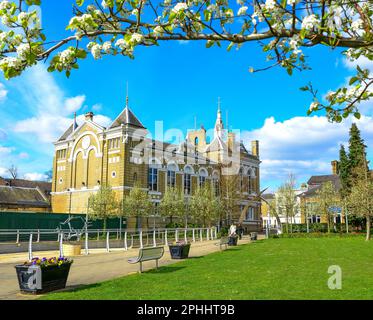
357	153
344	172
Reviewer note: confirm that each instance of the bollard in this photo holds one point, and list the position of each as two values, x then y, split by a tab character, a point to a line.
86	244
107	242
154	240
177	235
125	241
30	248
212	234
131	240
17	241
165	238
98	235
61	244
38	239
141	244
194	237
200	234
207	234
185	235
117	235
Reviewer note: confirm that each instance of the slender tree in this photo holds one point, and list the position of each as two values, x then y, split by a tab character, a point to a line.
327	197
103	204
137	204
287	202
360	200
172	204
205	206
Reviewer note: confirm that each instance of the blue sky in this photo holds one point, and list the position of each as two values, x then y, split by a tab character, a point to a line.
176	82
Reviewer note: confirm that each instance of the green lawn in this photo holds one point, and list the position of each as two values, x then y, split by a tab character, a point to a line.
268	269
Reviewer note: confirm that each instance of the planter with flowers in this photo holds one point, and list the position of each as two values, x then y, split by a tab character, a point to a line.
179	250
43	275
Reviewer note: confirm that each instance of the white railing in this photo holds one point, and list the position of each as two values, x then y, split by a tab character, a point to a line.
99	238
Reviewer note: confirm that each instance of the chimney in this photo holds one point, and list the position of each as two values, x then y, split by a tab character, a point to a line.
89	116
255	148
335	167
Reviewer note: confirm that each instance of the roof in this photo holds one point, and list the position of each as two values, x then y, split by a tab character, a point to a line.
69	131
127	117
44	186
318	180
30	197
315	183
268	196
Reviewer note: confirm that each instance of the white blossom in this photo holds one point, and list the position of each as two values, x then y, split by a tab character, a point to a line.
314	106
270	4
104	4
22	50
181	6
357	25
158	30
121	43
106	46
67	56
310	22
291	2
242	11
4	5
137	37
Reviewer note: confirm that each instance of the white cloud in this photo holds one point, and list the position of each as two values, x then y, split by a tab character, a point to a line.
3	92
34	176
51	110
5	151
362	62
302	145
3	172
75	103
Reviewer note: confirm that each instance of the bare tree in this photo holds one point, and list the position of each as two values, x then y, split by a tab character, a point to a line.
13	171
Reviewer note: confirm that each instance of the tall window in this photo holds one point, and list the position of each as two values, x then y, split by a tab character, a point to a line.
114	143
61	154
216	184
153	179
202	177
171	176
188	180
250	214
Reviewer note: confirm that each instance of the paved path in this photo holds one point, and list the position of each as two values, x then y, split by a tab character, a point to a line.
98	266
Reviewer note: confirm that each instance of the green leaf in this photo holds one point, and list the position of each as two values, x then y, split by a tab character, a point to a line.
79	2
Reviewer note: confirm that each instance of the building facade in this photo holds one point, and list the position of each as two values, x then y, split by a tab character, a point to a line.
89	155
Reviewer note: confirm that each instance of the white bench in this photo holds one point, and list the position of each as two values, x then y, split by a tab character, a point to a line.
147	254
223	242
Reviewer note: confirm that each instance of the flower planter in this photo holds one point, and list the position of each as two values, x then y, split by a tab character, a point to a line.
179	251
232	241
35	279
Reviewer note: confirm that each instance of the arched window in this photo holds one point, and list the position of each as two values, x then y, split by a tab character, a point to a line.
196	141
202	176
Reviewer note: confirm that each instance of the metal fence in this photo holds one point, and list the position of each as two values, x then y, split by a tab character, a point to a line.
99	238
